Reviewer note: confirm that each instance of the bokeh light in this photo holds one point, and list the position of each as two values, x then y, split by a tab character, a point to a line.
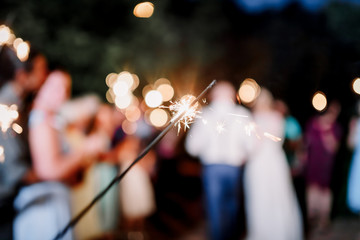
146	89
158	117
167	92
17	128
153	99
249	90
136	82
132	113
121	88
126	77
123	102
5	34
111	79
161	81
7	116
144	10
319	101
16	42
129	127
356	85
22	51
110	96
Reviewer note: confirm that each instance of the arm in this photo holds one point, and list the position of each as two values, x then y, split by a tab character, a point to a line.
48	160
195	139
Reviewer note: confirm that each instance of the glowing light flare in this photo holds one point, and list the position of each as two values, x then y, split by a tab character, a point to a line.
167	92
16	42
11	39
5	34
249	90
158	117
22	51
129	127
17	128
356	85
111	79
144	10
183	107
121	88
272	137
2	154
146	89
319	101
136	82
110	96
132	113
7	116
126	77
123	102
161	81
153	99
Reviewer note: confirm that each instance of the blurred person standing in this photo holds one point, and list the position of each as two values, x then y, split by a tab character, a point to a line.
271	204
44	207
221	143
353	140
19	83
322	139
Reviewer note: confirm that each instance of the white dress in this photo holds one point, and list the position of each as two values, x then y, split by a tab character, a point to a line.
271	205
137	198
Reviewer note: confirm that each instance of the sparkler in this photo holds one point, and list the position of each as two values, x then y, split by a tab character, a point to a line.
175	120
187	111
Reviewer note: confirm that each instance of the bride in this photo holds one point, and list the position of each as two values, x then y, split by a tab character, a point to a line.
271	205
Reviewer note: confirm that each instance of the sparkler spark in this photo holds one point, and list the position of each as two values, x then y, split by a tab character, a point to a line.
272	137
186	110
220	127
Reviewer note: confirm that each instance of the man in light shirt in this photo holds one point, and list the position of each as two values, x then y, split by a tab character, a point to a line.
221	141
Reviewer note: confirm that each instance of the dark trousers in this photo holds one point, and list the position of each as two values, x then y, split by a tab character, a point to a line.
222	188
7	215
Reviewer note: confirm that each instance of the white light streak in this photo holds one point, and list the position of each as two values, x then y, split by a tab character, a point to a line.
272	137
238	115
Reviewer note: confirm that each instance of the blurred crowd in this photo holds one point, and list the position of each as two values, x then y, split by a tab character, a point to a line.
248	172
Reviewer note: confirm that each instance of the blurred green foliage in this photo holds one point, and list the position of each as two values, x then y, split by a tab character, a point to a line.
93	38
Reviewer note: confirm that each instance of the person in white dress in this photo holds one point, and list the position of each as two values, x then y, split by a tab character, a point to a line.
272	209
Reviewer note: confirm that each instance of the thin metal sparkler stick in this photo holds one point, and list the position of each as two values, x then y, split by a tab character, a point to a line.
141	155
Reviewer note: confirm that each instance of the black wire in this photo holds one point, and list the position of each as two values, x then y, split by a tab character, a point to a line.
119	177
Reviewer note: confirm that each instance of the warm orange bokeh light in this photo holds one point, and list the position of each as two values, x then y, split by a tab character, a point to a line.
319	101
144	10
249	90
167	92
356	85
153	99
158	117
